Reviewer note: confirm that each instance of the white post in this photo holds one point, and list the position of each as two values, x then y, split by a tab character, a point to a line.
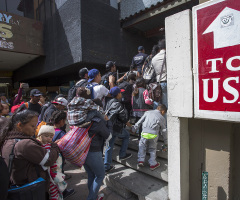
180	101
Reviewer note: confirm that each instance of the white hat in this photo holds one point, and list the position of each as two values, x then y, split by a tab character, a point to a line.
46	129
61	101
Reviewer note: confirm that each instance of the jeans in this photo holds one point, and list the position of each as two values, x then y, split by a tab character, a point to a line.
95	169
108	153
152	148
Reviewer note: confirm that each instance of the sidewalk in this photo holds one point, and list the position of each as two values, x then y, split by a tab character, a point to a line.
79	183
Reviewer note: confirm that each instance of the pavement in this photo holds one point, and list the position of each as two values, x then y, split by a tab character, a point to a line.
79	183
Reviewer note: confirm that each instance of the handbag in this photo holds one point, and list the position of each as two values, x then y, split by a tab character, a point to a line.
75	145
30	191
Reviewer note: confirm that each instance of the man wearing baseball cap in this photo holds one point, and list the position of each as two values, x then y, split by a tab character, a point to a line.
58	104
83	74
111	70
33	103
139	59
118	115
98	91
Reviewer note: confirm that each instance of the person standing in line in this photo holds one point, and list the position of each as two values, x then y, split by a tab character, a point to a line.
153	123
139	59
99	91
111	70
160	67
118	115
83	74
28	151
33	104
94	165
141	101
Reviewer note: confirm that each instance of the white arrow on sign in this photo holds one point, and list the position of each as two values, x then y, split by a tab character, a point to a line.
225	28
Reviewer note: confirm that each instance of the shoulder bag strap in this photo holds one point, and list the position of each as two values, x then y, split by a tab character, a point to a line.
11	157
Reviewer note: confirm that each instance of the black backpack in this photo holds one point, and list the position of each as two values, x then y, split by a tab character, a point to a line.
43	109
127	94
105	79
72	91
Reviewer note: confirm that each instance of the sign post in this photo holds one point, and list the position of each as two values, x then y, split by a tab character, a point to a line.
204	185
216	43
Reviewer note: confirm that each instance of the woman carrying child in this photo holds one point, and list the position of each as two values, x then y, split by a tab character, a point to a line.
83	112
28	151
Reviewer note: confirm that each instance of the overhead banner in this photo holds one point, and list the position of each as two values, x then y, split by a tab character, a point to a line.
20	34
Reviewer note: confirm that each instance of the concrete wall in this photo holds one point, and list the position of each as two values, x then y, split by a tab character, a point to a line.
235	164
210	150
180	101
195	145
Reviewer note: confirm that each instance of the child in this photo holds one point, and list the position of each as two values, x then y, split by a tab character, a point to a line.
5	111
57	183
152	123
58	120
82	109
140	101
118	116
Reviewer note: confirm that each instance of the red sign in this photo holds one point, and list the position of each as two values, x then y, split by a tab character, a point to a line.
218	55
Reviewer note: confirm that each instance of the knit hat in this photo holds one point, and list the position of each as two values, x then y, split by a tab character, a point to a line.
46	129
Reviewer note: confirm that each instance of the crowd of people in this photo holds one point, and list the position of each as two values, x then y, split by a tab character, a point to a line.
108	108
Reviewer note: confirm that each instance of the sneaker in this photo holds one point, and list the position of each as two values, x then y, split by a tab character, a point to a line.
164	148
100	196
67	193
110	169
67	176
128	155
140	164
152	167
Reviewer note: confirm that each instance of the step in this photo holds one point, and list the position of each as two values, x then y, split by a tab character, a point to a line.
126	181
160	173
133	144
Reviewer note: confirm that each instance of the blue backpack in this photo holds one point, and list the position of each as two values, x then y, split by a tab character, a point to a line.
90	86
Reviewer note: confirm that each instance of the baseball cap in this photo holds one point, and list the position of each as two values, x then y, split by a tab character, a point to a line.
82	72
115	91
109	64
61	101
92	74
140	48
35	93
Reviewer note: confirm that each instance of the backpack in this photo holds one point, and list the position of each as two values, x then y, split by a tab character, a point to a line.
43	109
90	86
127	94
72	91
16	107
149	72
105	79
155	91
